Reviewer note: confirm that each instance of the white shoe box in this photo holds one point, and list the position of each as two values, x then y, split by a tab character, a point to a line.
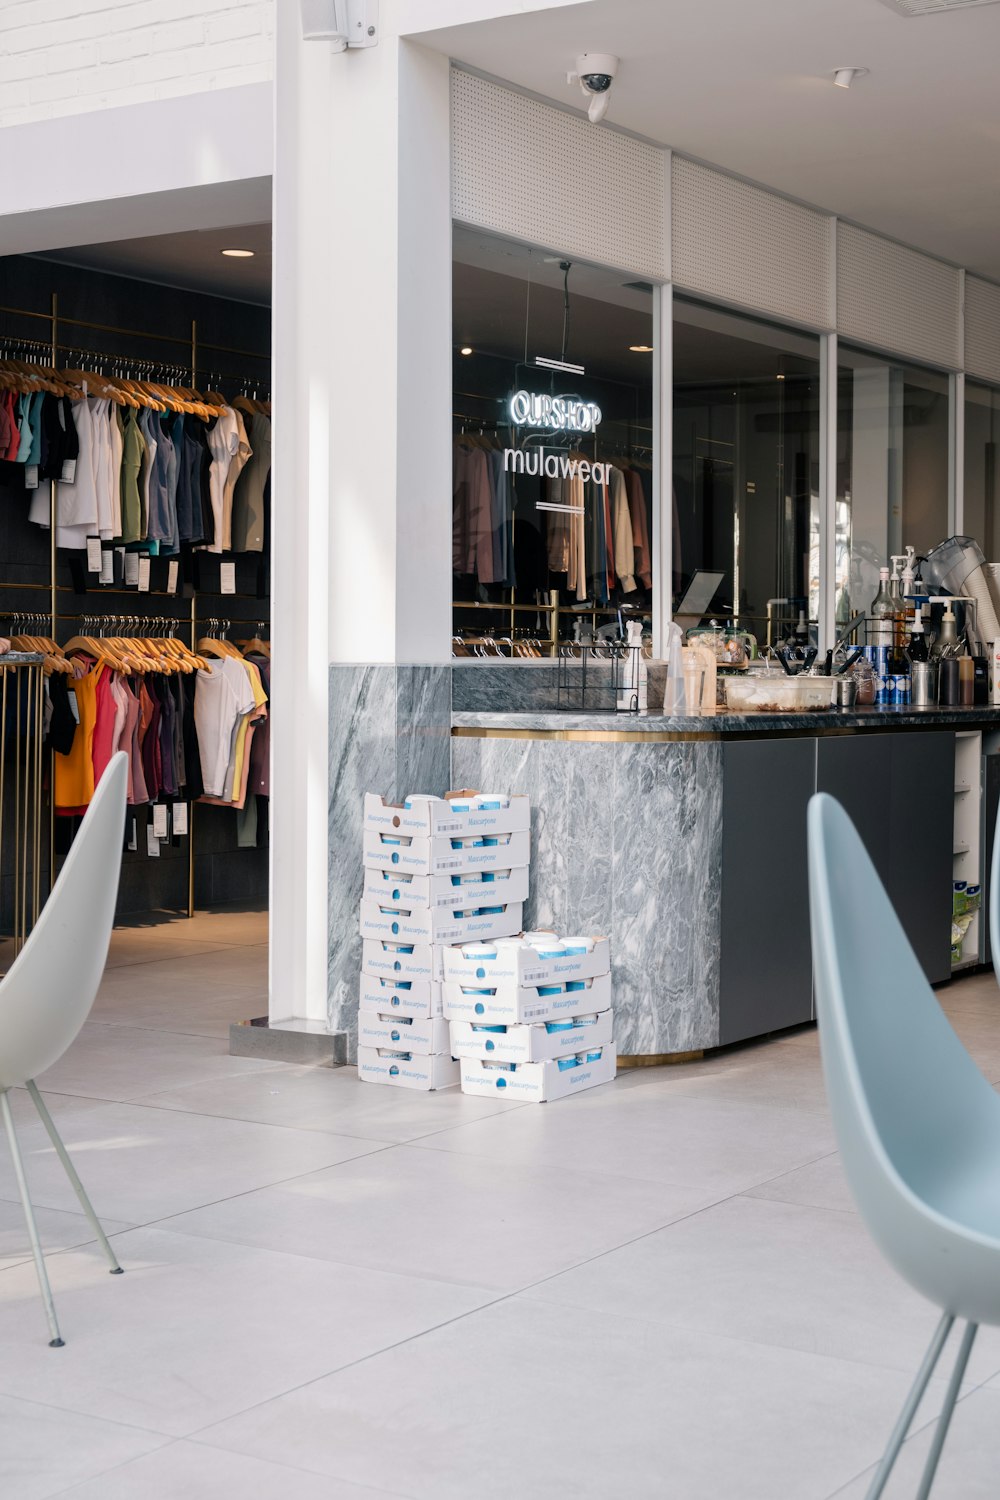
546	961
537	1081
442	855
395	960
423	998
426	1035
508	1004
447	892
399	924
463	814
406	1070
523	1044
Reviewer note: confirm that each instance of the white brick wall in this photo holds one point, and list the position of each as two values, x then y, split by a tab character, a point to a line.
65	57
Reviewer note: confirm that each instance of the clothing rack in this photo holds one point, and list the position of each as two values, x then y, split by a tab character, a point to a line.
54	344
554	609
22	789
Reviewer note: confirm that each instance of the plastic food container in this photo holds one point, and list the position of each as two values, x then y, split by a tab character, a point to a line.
771	694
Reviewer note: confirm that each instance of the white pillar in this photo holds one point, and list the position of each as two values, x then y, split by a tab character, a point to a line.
362	463
663	473
827	628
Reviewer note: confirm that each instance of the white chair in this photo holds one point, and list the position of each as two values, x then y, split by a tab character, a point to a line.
917	1123
47	994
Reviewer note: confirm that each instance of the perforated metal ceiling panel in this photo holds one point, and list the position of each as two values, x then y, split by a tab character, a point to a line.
524	169
897	299
736	241
982	328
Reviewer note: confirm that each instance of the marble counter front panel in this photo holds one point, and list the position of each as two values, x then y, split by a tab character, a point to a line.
626	842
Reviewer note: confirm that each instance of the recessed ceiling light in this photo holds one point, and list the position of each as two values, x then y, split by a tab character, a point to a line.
240	254
640	348
844	77
465	349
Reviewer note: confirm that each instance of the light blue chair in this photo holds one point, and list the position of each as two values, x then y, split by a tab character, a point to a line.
47	994
917	1123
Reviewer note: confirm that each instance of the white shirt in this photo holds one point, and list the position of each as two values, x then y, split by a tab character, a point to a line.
222	696
223	441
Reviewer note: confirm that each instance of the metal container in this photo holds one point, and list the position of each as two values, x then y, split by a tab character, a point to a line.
921	689
845	692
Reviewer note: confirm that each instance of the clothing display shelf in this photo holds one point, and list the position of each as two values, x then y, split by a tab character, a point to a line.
22	799
552	615
193	355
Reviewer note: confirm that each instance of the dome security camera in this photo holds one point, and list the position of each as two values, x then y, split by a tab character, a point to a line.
596	72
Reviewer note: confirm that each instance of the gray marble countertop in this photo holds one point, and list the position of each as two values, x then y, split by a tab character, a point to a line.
723	724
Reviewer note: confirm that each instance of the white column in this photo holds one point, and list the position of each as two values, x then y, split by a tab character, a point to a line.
956	454
827	629
362	389
663	471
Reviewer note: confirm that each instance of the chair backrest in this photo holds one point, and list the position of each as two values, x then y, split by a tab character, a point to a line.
47	994
910	1108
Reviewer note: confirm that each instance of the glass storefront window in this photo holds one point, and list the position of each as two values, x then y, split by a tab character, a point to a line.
982	436
746	465
892	469
552	424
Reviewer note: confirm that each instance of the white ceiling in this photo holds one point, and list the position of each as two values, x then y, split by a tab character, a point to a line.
191	259
913	150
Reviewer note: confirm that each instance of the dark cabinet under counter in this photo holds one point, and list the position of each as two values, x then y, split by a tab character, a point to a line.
765	978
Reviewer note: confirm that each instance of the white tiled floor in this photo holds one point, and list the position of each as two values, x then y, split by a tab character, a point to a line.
657	1289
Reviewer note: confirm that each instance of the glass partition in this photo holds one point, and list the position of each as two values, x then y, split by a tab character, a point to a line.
552	449
892	469
982	434
746	466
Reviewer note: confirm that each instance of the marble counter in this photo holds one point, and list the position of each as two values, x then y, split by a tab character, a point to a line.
632	816
684	727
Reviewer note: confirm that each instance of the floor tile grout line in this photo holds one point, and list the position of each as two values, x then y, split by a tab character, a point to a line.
914	1432
292	1469
739	1192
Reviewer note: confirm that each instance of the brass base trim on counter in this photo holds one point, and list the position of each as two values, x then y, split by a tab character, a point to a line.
635	736
660	1059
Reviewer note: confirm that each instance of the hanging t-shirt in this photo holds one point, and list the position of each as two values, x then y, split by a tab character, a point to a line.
224	694
223	442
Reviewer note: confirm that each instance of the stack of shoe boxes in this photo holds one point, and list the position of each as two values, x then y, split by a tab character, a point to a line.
438	870
531	1016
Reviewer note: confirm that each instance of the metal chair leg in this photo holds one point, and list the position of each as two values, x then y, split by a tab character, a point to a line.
78	1188
56	1340
909	1411
944	1420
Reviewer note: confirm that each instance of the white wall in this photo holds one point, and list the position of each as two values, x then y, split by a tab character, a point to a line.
63	57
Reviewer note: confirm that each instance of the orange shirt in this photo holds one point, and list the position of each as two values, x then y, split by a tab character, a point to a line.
75	771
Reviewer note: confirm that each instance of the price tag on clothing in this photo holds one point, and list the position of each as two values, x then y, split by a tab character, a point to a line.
93	554
131	569
68	475
74	707
227	578
180	817
173	575
143	572
107	565
160	820
152	842
31	477
133	842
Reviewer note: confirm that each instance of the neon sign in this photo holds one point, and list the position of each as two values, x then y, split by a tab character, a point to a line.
554	413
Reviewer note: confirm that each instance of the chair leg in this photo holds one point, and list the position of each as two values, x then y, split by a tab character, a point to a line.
78	1188
902	1427
944	1420
56	1340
